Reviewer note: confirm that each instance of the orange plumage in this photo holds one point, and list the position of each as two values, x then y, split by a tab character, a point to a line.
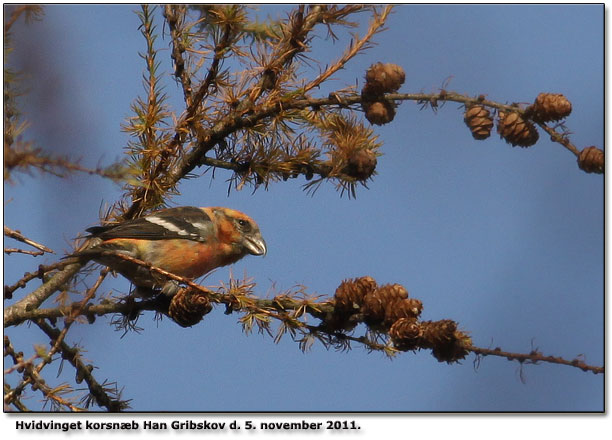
185	241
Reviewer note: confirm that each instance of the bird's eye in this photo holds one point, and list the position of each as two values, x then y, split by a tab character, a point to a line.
244	224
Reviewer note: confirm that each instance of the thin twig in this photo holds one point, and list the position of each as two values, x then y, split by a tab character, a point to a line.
32	377
96	390
33	300
69	319
9	251
354	49
16	402
559	138
534	357
23	157
29	276
213	70
175	16
21	363
17	235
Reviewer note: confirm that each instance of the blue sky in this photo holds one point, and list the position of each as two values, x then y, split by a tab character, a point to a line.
506	241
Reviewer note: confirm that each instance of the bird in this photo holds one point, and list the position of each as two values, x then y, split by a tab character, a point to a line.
187	241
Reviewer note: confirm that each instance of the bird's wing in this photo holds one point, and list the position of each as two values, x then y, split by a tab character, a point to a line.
184	222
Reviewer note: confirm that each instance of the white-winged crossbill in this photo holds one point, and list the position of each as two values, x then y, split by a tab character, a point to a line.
186	241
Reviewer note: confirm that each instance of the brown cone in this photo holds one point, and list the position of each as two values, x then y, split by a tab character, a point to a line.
549	107
438	332
361	164
446	342
453	351
188	307
350	294
515	130
384	78
348	299
404	308
371	92
375	303
479	120
378	112
405	334
591	160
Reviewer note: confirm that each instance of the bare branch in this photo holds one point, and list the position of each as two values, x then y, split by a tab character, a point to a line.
17	235
535	356
28	276
32	301
9	251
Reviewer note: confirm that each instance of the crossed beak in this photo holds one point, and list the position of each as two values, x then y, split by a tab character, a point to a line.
256	245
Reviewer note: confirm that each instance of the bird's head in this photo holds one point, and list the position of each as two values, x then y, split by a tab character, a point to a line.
241	230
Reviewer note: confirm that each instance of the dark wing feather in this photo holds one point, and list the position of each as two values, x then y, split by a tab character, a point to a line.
185	222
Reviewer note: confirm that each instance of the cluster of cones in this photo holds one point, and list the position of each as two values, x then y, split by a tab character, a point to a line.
518	129
385	308
388	308
380	79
